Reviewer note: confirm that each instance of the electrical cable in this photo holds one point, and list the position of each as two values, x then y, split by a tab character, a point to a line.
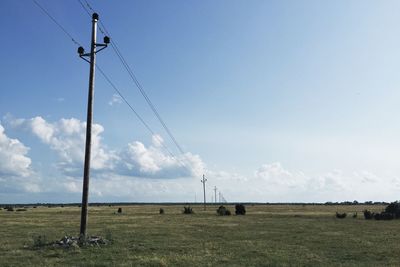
111	83
56	22
114	45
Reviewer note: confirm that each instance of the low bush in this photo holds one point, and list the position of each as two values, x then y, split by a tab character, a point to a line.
354	215
240	209
392	211
39	241
393	208
368	215
119	210
222	211
21	209
384	216
9	208
187	210
341	215
161	211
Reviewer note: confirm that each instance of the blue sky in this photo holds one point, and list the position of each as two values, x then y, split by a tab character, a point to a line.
273	100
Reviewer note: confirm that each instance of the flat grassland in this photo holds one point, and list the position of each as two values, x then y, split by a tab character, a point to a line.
268	235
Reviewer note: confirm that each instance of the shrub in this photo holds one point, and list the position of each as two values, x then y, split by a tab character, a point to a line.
22	209
368	215
384	216
161	211
119	210
109	236
240	209
187	210
341	215
222	211
355	215
393	208
39	241
9	208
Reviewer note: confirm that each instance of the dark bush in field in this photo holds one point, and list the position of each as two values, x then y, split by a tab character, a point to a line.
22	209
384	216
240	209
222	211
393	208
161	211
187	210
9	208
119	210
39	241
368	215
341	215
392	211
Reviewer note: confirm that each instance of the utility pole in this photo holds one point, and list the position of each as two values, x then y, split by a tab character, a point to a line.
204	180
86	170
215	194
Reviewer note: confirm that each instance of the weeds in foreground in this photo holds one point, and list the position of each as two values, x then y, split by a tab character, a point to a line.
39	241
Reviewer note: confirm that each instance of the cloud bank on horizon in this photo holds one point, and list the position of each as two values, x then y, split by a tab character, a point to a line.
138	172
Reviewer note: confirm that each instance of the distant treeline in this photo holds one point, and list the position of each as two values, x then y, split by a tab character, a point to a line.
99	204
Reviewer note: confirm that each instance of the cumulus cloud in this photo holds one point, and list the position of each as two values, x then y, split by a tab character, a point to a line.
118	174
13	157
16	174
115	99
67	138
155	161
280	184
275	174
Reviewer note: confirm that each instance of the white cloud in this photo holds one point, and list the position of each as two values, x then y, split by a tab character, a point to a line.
275	174
118	174
154	161
16	174
13	157
115	99
67	138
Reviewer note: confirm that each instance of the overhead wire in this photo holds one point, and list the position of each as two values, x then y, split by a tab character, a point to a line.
134	111
56	22
113	85
117	51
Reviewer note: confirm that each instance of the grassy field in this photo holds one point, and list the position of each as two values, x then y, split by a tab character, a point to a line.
268	235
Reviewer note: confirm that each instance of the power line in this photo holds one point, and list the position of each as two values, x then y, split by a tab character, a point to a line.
132	109
117	51
112	84
56	22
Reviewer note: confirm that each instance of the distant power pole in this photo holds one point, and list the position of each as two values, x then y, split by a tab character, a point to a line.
86	170
215	194
204	180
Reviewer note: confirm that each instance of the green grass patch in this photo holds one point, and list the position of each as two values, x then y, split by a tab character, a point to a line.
268	235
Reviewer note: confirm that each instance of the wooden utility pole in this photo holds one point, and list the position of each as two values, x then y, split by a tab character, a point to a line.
204	180
86	170
215	194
